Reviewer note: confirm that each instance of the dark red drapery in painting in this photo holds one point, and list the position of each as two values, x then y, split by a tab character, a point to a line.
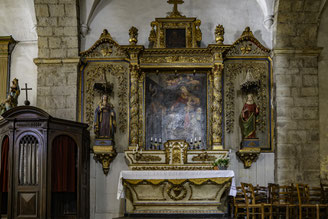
4	165
63	172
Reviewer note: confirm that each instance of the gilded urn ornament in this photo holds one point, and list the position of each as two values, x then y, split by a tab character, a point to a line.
219	34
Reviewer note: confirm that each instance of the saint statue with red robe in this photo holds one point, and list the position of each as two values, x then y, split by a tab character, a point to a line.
248	118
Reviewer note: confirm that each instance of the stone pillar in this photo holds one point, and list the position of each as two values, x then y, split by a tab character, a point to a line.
217	107
58	44
296	81
297	102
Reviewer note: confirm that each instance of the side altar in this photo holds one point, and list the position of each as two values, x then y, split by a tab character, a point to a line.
177	106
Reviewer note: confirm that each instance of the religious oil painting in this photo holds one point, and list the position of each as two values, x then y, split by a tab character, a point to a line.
176	107
175	38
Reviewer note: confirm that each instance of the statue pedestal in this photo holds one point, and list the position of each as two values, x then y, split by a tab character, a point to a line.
104	153
250	143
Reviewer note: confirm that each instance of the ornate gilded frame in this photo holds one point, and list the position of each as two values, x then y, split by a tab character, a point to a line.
212	59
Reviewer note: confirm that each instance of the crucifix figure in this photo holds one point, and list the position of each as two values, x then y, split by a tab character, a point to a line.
175	12
26	102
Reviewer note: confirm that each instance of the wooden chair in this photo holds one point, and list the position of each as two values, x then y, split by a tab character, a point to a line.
305	205
261	194
239	203
253	207
281	199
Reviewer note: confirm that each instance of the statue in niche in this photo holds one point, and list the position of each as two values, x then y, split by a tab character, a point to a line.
248	117
105	119
12	98
249	112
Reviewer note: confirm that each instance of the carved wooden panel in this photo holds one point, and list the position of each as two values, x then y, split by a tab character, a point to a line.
27	204
28	161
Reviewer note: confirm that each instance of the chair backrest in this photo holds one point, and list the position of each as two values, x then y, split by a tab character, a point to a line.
287	194
324	193
240	197
303	193
315	196
261	194
248	190
273	196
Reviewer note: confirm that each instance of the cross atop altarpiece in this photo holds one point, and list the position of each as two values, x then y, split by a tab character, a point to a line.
175	12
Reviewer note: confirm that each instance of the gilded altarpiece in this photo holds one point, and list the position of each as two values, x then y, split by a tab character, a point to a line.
162	82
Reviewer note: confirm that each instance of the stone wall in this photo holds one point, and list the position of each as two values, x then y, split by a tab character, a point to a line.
58	44
323	91
296	82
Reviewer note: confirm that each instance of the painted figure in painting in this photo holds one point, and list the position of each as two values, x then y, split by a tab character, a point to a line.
248	118
105	119
187	103
12	98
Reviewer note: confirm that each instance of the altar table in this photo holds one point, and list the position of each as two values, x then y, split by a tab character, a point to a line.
176	192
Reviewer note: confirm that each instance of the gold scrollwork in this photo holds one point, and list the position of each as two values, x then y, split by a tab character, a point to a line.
259	72
148	158
247	44
95	72
104	156
105	46
177	59
248	156
204	157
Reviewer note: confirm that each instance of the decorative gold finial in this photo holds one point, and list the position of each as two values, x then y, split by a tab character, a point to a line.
219	34
247	33
105	34
133	32
175	12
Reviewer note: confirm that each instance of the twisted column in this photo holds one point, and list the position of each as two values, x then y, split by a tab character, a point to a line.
134	106
217	106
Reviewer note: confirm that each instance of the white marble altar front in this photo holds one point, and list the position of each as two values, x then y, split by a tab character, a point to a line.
176	192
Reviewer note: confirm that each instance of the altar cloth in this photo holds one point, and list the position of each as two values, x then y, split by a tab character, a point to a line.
189	174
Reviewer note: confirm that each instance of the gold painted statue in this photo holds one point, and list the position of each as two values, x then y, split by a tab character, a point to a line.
105	119
12	98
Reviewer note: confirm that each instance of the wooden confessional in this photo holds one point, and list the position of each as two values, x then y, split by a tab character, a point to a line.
44	166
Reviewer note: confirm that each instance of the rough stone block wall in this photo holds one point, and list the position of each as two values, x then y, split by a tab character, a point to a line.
298	149
58	47
57	89
297	91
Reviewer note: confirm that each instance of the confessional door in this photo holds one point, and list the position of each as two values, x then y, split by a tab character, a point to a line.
28	198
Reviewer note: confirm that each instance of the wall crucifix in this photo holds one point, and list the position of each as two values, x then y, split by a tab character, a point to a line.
26	102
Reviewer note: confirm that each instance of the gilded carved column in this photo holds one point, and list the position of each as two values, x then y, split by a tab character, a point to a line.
217	107
134	105
141	122
7	44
